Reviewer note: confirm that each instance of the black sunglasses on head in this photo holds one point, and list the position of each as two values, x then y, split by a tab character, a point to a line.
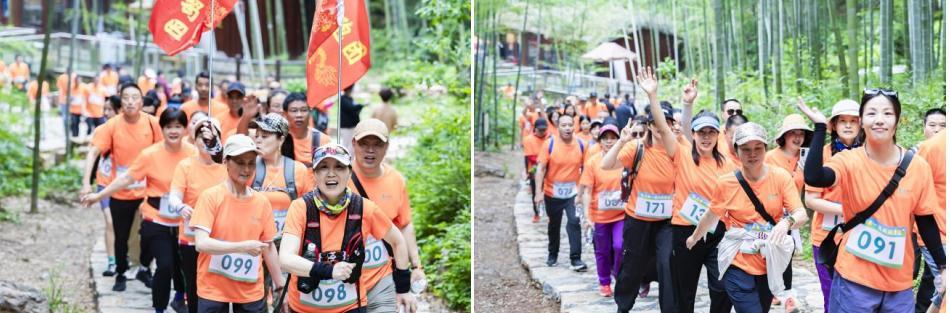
880	91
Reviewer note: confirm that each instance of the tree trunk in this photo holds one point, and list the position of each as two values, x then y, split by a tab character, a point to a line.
853	48
271	38
763	50
34	187
887	45
917	57
778	43
797	38
719	56
676	51
280	31
514	101
839	47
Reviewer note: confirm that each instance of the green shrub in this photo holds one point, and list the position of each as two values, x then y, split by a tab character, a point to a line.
437	169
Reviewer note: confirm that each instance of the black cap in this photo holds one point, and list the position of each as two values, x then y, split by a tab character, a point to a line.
236	86
593	95
541	123
667	111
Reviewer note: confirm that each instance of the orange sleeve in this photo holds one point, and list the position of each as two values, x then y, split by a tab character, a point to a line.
296	220
156	129
791	200
718	203
102	138
267	217
141	165
403	213
378	222
587	175
203	217
543	154
927	203
628	153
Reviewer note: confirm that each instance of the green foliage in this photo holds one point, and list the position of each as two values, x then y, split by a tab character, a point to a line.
295	85
437	170
55	295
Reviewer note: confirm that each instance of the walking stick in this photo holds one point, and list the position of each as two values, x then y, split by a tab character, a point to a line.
280	301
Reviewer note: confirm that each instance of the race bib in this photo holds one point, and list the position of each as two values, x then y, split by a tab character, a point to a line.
121	170
240	267
694	208
330	294
610	201
105	166
280	217
97	100
828	221
654	206
878	243
564	190
756	232
75	101
165	210
376	254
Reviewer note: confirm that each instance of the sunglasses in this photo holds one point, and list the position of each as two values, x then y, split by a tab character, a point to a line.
638	134
880	91
734	111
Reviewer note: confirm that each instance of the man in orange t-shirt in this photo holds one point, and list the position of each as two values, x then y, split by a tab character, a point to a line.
204	102
19	73
384	185
297	113
531	146
934	150
560	163
593	107
109	79
234	231
229	119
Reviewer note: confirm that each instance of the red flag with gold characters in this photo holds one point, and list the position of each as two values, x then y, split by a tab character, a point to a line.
176	25
324	49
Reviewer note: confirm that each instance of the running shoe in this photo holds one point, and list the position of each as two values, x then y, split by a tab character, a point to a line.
552	260
145	276
119	283
605	291
578	266
791	306
179	306
110	271
535	219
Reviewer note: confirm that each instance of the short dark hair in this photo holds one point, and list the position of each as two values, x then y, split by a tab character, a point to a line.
150	99
172	115
723	104
933	112
129	85
385	94
116	102
202	74
294	96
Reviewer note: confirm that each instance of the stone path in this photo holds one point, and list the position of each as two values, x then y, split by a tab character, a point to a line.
578	292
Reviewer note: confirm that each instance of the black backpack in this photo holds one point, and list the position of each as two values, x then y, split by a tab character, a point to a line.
352	249
289	180
630	174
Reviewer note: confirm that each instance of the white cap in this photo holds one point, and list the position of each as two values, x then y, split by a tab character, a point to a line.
846	107
748	132
239	144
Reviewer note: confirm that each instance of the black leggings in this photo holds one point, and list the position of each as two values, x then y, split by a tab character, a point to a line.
189	267
123	214
161	242
688	264
643	241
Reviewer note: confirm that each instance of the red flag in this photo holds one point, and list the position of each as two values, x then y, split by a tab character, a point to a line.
324	49
177	25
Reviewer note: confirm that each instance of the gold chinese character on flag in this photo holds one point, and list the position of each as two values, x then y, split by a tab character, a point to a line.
354	51
347	28
191	8
175	28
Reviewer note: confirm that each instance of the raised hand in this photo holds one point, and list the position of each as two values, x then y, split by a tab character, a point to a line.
647	81
812	113
690	92
626	134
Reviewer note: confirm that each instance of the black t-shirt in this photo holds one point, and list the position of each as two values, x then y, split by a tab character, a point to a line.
349	112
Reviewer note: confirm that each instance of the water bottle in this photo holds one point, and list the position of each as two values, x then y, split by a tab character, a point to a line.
419	286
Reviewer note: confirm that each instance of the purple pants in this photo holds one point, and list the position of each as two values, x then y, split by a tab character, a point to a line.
608	249
850	297
824	277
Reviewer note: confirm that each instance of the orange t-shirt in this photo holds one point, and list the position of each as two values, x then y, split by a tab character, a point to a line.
526	124
191	178
594	148
19	70
153	165
592	109
125	142
587	138
532	145
303	149
562	166
32	89
780	159
274	188
145	84
776	191
934	150
106	164
818	227
77	102
861	180
95	99
228	124
109	80
375	224
605	203
229	218
654	178
696	183
61	82
192	106
725	144
389	192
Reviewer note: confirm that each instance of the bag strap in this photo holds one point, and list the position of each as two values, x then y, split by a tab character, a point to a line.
289	178
636	161
755	200
354	225
359	186
314	140
311	232
260	172
886	193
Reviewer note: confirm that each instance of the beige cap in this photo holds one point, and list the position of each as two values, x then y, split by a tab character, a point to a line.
792	122
748	132
373	127
239	144
846	107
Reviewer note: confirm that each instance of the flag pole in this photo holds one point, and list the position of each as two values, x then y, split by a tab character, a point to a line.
339	70
210	63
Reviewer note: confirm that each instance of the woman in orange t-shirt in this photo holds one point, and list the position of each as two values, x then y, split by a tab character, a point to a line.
875	263
584	133
826	202
234	233
647	233
601	200
191	177
159	219
330	276
756	243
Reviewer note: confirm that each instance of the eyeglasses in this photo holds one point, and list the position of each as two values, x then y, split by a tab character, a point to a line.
880	91
733	111
638	134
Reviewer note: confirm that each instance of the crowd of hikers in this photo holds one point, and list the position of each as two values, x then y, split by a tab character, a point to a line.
667	192
239	199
